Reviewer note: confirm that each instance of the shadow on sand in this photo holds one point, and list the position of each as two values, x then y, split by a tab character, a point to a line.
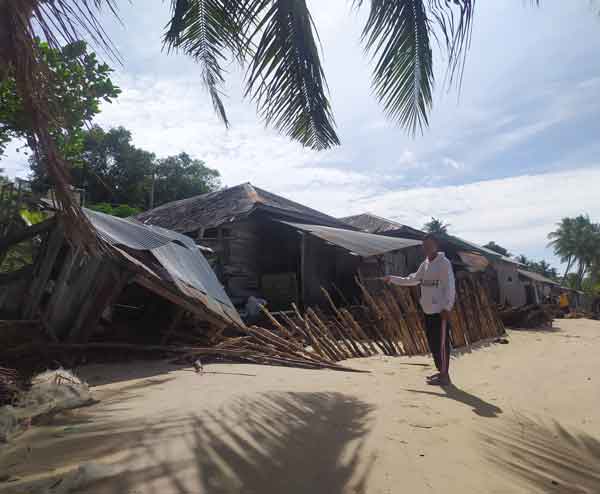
545	458
479	406
269	443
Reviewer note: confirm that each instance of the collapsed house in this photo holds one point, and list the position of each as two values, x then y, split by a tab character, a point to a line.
138	286
150	289
270	247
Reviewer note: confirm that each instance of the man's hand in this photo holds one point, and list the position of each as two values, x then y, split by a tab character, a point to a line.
445	315
387	280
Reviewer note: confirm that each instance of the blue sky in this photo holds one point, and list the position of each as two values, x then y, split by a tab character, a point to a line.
507	158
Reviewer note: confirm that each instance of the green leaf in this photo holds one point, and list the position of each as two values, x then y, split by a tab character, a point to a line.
286	78
397	36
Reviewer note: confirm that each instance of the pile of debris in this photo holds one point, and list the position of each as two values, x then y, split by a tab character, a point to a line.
528	316
46	394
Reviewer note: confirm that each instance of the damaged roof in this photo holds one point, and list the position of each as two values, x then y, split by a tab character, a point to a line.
183	265
360	243
371	223
537	277
216	208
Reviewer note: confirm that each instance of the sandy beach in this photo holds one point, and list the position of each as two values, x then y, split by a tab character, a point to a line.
520	417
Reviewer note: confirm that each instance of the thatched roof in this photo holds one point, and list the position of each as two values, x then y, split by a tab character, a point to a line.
216	208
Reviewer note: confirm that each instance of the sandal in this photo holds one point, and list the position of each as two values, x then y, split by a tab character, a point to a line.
434	381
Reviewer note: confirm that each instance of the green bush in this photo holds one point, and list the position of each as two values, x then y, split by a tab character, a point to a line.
119	210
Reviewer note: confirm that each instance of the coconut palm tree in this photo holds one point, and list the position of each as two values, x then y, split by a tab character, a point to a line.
576	241
562	240
436	226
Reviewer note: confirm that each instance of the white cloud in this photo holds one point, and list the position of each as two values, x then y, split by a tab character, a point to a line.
517	212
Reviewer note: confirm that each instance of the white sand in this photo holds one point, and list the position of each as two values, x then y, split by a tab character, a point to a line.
522	417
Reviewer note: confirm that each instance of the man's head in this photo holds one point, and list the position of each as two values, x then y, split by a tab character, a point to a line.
430	246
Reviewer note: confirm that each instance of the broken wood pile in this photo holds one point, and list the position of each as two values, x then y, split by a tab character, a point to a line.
259	346
528	316
390	323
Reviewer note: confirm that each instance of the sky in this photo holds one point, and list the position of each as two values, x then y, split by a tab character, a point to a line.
504	159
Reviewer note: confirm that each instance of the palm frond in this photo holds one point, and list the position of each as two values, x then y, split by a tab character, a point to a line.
397	34
67	21
208	31
285	77
454	19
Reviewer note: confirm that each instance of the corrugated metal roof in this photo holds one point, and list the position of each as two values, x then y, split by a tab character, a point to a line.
363	244
178	254
123	231
536	277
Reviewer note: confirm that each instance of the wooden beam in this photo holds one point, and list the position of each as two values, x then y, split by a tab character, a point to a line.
98	280
302	270
45	265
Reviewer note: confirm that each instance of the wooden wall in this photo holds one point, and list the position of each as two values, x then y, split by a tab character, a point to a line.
237	246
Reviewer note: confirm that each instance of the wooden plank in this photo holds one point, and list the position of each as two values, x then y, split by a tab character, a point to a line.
302	270
46	263
94	282
108	292
57	304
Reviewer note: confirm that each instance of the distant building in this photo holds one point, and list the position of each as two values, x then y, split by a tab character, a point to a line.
500	272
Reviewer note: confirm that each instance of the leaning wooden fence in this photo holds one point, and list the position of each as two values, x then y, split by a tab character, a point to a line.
389	322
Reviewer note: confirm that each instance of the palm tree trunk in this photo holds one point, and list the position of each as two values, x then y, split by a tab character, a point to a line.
569	264
580	273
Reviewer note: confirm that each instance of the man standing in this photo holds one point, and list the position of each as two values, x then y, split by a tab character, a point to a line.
438	292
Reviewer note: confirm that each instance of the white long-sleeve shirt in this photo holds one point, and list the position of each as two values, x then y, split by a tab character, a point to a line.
436	278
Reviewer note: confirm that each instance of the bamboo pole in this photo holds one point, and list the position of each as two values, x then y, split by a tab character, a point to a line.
347	331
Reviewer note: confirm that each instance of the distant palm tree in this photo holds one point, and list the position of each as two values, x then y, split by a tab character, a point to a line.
562	240
576	240
436	226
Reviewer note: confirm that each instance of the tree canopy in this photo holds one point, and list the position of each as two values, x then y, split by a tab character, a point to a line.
436	226
181	176
74	85
576	241
115	172
497	248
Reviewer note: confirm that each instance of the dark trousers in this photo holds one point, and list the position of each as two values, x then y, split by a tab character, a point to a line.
439	343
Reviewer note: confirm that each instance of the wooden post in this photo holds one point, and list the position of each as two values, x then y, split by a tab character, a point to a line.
43	271
303	246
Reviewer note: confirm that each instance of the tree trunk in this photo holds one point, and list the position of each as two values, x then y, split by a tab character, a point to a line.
569	264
